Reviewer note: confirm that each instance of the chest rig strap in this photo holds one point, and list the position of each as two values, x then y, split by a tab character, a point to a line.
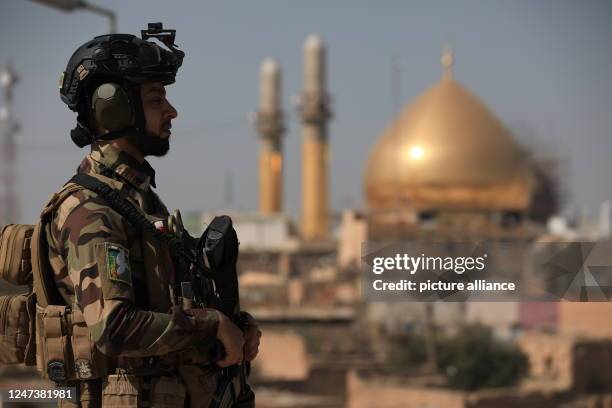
125	208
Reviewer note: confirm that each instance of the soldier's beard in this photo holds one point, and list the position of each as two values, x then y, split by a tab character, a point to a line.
150	144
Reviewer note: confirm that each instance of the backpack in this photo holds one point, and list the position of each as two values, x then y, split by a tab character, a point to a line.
17	312
20	245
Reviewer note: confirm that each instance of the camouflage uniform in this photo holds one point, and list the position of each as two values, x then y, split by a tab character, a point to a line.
122	282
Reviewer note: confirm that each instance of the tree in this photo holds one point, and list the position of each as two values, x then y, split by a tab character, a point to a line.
474	359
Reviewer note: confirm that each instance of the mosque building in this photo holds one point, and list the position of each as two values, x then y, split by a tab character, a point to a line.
445	167
446	162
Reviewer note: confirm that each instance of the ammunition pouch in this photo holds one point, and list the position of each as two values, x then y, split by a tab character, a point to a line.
65	349
120	390
130	391
17	329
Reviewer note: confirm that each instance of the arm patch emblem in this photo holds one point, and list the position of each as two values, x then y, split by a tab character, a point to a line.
118	264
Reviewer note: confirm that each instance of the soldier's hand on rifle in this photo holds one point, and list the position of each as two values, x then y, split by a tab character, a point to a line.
252	336
233	341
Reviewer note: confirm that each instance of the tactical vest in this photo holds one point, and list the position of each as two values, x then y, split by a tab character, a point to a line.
65	349
63	346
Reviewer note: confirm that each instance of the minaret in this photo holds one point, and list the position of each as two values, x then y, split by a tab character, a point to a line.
270	128
314	109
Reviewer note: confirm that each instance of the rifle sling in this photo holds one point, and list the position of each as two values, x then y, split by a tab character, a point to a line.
126	209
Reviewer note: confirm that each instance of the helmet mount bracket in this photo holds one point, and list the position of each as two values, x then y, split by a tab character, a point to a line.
157	31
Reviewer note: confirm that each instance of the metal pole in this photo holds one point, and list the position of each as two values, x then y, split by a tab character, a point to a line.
72	5
9	127
112	17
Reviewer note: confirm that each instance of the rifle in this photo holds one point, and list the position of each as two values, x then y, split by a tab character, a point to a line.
219	244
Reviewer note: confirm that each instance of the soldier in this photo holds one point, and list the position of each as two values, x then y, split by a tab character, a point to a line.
118	280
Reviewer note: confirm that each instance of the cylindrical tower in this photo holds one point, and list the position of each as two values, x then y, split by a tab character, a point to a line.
314	109
270	128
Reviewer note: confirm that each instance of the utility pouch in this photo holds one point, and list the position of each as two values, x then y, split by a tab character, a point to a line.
65	350
120	391
15	260
167	392
54	341
89	362
17	329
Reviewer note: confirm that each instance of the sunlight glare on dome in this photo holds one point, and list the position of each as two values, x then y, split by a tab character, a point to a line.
416	152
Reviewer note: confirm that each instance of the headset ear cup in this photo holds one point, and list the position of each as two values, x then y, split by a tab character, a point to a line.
112	107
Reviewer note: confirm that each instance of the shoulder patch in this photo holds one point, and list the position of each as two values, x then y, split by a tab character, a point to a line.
118	263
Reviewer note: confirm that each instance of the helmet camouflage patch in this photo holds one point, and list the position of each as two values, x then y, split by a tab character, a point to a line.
82	71
118	264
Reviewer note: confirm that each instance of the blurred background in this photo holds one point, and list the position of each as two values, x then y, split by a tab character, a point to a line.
321	126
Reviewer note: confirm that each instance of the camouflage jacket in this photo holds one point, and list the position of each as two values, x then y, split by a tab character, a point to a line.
121	283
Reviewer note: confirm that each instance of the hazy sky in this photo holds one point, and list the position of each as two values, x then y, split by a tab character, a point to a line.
545	68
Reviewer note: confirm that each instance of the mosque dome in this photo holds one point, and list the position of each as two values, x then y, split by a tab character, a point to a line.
447	151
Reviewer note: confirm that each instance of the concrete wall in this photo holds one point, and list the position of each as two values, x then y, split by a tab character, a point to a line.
592	320
550	358
365	393
282	356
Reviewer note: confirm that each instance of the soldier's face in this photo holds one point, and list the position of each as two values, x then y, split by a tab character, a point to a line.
157	109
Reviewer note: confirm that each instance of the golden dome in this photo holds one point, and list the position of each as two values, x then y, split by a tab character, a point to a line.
447	151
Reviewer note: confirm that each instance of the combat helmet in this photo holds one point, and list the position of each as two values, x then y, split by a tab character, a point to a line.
101	73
